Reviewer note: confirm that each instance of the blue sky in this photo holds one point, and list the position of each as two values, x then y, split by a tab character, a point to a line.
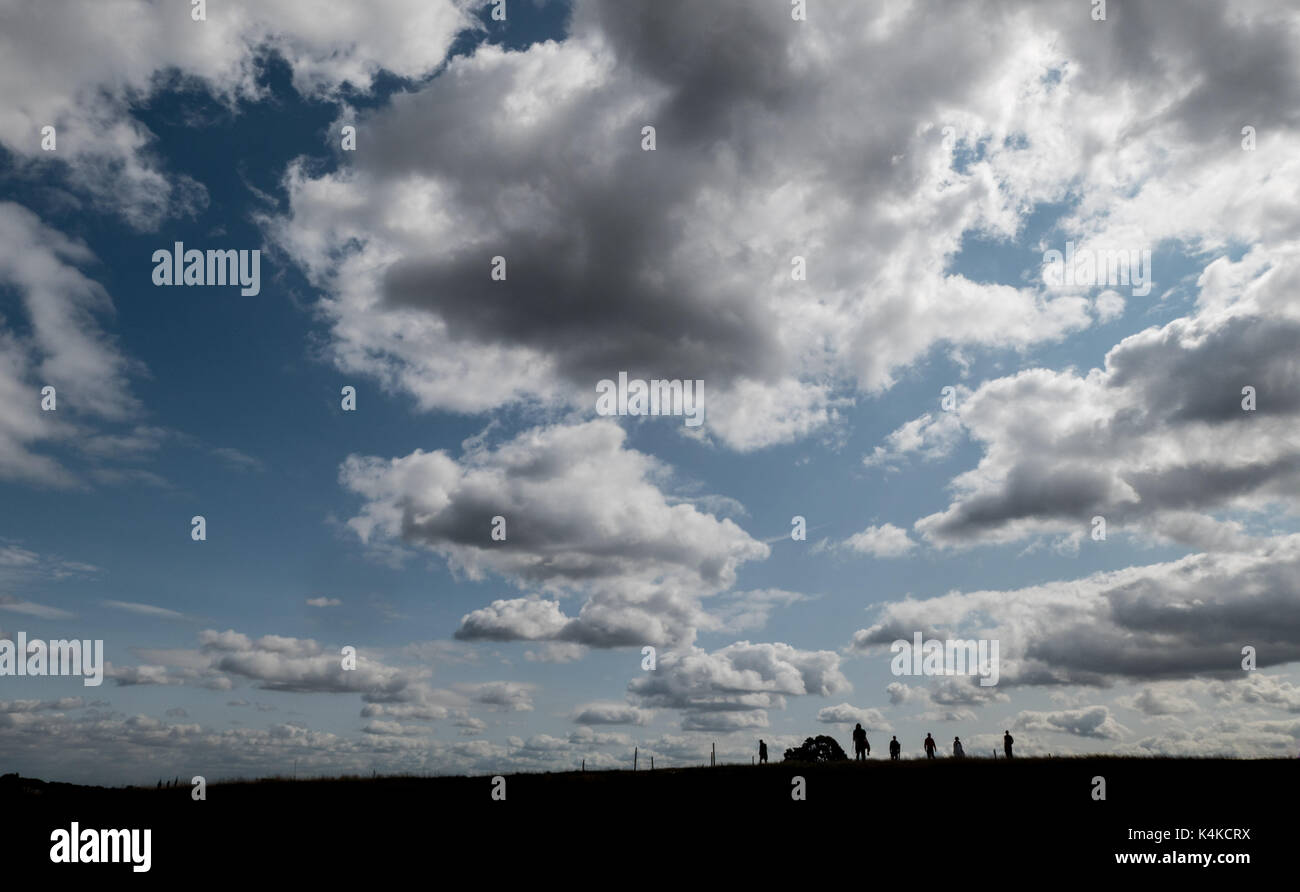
522	138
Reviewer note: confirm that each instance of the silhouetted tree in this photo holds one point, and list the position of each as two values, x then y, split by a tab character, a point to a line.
817	749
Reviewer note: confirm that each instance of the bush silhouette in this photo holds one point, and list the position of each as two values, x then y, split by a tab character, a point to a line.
816	749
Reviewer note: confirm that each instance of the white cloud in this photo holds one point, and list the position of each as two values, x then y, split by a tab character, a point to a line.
932	436
1159	701
884	541
603	713
1157	442
30	608
1174	620
144	609
845	714
79	65
1092	721
583	515
733	687
63	346
545	163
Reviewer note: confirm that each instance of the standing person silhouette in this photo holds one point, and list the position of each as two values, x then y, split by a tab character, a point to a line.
1006	742
930	746
894	748
860	743
957	751
762	752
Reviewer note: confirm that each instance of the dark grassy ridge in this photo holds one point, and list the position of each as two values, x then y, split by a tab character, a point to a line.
997	818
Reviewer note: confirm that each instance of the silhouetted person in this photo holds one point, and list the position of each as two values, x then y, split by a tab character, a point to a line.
930	746
860	744
957	751
762	752
894	749
1006	742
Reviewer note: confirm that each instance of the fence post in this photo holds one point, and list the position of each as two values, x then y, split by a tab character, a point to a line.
634	749
713	756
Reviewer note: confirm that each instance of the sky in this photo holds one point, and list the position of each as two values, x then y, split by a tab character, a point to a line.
841	224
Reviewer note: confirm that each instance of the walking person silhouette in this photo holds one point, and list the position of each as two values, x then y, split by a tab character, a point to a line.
1006	742
860	743
894	748
762	752
957	751
930	746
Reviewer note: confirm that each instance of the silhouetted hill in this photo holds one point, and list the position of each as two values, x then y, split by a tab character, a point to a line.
921	819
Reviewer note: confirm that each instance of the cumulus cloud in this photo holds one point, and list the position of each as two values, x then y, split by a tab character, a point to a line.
556	652
514	696
724	722
273	662
931	436
1225	737
615	257
1180	619
1092	721
1258	689
80	67
528	619
733	687
900	693
279	669
614	254
603	713
392	696
964	692
1157	441
884	541
953	695
846	714
1159	701
959	714
583	515
63	703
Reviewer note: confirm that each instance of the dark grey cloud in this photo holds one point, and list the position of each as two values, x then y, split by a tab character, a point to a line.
675	263
1228	64
1158	441
1184	619
1186	372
